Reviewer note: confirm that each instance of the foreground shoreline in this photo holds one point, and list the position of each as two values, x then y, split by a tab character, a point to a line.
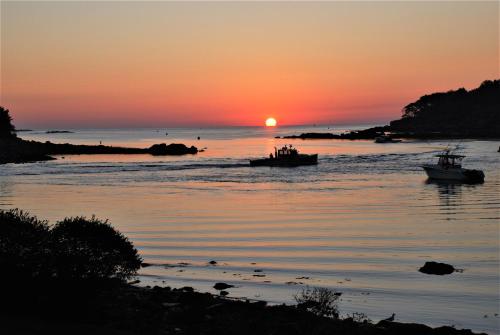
127	309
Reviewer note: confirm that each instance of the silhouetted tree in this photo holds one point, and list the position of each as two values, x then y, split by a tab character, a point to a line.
463	112
7	129
92	249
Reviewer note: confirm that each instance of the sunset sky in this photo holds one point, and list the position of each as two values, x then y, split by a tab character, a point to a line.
140	64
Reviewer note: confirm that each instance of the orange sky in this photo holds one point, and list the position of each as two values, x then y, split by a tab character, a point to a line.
135	64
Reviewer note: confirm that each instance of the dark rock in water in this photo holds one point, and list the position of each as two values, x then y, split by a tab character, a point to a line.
224	293
257	270
292	283
187	289
212	263
222	286
435	268
171	149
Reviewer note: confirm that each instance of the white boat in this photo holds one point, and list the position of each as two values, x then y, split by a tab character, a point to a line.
449	167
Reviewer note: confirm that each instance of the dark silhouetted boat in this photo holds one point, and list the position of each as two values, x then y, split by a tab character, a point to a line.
449	167
287	156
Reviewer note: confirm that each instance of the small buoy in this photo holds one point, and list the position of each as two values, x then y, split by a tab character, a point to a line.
198	137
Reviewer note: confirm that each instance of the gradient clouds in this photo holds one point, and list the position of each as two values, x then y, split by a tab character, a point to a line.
114	64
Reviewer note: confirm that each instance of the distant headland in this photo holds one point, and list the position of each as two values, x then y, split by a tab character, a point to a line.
16	150
452	114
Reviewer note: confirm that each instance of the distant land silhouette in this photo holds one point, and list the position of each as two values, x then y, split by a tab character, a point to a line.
452	114
474	113
16	150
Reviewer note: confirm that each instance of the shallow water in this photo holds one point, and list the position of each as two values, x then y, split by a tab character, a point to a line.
362	222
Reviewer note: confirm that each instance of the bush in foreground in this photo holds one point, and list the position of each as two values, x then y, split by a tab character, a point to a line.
75	249
319	300
24	246
92	249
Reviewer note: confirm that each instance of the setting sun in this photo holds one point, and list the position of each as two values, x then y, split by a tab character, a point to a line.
271	122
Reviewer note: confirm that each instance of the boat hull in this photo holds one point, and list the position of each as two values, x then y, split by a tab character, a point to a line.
286	162
454	174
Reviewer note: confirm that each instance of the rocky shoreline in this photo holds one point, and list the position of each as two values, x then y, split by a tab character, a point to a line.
365	134
16	150
126	309
372	133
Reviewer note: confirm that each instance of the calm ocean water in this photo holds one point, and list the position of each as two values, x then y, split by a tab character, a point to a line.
362	222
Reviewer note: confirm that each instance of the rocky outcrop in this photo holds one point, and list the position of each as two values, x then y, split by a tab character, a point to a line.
16	150
435	268
222	286
172	149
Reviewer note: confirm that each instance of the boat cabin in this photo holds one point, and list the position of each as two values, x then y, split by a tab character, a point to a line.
284	152
448	160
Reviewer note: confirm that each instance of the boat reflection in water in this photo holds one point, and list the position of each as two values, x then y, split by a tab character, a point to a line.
287	156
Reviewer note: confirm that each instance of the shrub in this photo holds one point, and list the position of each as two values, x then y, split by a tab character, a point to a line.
24	252
91	249
319	300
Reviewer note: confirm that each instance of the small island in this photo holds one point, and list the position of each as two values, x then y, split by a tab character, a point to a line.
16	150
59	132
448	115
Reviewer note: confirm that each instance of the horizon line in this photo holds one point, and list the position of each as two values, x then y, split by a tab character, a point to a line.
367	123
